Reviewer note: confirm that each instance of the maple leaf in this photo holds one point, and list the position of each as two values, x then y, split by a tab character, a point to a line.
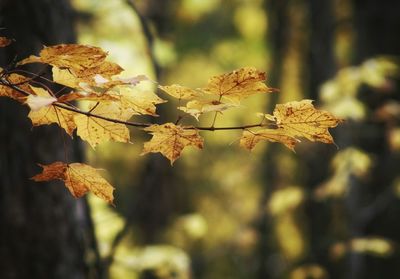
238	84
106	69
78	178
95	130
52	114
249	139
170	139
138	101
86	96
198	107
65	77
91	80
5	41
20	81
180	92
301	119
75	57
48	114
75	63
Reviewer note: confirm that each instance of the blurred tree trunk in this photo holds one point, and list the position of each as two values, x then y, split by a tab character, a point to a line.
372	203
269	263
316	159
44	232
153	193
302	57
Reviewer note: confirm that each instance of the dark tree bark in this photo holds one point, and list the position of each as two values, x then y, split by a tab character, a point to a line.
44	232
316	160
278	38
312	163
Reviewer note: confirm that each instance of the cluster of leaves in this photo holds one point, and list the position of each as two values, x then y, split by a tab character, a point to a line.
113	100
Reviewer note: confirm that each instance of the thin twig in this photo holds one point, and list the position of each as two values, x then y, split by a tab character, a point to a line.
131	123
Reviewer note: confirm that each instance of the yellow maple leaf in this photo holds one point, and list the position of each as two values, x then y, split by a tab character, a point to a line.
238	84
65	77
249	139
88	79
301	119
78	178
198	107
87	96
49	114
170	139
106	69
75	63
95	130
75	57
180	92
138	101
122	90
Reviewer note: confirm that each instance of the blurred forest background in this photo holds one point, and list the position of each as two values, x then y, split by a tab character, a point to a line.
322	212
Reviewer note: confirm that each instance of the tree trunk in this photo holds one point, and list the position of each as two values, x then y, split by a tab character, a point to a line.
44	232
373	206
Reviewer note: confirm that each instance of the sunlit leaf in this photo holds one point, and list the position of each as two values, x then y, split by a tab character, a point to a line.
65	77
170	139
238	84
75	57
48	114
249	139
138	101
198	107
75	61
301	119
78	178
180	92
95	130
